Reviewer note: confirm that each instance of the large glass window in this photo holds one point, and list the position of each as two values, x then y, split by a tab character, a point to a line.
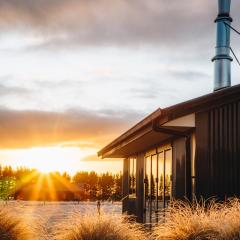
168	174
132	176
154	183
158	182
160	179
147	180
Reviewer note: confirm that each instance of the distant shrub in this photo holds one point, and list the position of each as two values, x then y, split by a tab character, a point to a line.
200	221
13	228
93	227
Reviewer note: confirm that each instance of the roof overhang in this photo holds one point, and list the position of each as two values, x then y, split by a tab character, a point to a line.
147	134
178	119
140	142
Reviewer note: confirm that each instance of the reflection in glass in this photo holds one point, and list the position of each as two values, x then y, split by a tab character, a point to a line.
154	183
148	202
168	174
132	176
161	179
158	184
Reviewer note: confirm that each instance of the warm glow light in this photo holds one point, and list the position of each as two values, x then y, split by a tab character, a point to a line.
57	158
48	159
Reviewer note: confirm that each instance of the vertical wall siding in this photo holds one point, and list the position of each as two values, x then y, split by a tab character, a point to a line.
179	168
218	152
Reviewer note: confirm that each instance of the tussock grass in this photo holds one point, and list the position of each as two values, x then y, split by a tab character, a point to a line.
183	221
13	228
200	221
93	227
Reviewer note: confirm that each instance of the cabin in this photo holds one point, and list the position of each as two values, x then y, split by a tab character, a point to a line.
188	150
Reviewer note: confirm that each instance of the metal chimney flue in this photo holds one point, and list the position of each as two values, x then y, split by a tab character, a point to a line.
222	60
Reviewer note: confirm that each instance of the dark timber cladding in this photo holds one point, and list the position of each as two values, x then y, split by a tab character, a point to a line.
218	151
179	167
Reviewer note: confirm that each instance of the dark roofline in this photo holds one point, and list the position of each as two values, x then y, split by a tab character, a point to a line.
199	104
164	115
139	126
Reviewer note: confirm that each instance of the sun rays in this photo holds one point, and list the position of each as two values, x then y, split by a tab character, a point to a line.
45	187
48	159
60	158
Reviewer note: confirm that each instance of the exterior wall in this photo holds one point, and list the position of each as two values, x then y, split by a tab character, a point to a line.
218	152
179	166
183	154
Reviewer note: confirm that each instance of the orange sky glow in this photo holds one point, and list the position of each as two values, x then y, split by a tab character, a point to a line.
61	159
65	141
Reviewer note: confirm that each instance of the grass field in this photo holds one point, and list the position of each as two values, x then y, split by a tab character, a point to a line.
45	216
72	221
55	211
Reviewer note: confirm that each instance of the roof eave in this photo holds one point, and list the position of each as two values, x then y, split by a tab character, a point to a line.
175	111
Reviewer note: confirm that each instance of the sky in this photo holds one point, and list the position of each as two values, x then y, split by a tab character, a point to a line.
74	74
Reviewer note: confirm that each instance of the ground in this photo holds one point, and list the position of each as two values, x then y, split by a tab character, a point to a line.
48	214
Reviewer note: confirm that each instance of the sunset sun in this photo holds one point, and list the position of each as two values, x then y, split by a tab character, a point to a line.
49	159
58	159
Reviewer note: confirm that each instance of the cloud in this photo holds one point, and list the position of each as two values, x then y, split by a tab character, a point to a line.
79	144
147	92
13	90
188	75
94	158
69	22
90	158
22	129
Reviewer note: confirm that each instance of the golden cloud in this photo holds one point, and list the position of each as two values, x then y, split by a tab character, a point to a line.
22	129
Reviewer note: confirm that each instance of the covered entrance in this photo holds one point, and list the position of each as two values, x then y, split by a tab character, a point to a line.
157	183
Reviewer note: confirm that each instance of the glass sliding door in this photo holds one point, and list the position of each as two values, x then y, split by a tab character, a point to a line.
154	187
168	177
132	177
147	180
160	180
158	183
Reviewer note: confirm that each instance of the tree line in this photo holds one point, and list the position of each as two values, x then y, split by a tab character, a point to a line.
90	185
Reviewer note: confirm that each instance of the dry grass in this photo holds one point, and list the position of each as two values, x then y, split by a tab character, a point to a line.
184	221
93	227
198	221
13	228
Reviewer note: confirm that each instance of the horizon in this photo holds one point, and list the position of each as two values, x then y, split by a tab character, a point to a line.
48	173
73	79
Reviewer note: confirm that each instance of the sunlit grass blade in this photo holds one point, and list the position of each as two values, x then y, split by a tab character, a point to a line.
90	226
